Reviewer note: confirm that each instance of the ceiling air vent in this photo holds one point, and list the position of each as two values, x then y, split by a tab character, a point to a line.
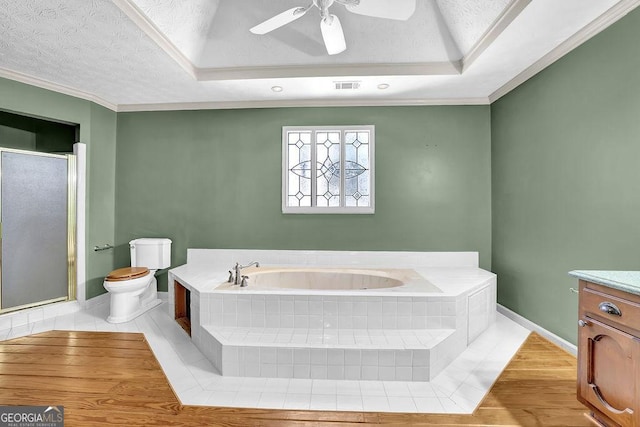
347	85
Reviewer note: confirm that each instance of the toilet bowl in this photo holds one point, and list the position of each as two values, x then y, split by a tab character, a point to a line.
134	290
131	293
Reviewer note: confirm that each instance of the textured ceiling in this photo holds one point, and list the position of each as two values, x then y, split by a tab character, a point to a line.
213	34
467	20
164	53
89	45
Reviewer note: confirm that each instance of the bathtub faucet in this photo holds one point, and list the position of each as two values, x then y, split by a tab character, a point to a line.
238	267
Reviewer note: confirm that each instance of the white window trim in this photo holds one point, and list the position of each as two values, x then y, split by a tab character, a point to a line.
334	209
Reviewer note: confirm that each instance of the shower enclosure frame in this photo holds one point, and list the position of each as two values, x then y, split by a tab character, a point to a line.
71	229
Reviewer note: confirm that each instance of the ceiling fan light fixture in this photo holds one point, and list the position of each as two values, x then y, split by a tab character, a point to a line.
279	20
330	26
333	35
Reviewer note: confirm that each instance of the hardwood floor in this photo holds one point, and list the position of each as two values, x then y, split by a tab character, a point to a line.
113	379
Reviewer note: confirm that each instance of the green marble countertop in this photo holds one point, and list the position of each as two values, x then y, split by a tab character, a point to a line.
627	281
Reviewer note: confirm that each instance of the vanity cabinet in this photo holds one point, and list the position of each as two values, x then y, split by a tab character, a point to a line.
609	354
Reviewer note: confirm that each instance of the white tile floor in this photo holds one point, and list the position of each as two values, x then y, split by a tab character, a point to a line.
458	389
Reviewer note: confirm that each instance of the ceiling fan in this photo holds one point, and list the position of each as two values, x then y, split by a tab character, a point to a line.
330	26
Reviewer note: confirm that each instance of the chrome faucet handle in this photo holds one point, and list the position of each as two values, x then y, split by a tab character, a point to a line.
256	263
239	267
230	277
244	283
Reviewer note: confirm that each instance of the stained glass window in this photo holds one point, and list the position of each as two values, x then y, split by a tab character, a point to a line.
328	169
356	170
299	168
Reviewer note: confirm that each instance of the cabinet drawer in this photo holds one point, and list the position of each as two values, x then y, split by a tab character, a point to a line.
610	308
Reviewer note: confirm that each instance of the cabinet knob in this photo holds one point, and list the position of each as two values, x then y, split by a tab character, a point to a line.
583	323
609	308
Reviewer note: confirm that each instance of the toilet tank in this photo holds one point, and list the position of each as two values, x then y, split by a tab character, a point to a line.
151	253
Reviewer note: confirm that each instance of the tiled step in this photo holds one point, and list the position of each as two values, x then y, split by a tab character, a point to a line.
396	339
354	354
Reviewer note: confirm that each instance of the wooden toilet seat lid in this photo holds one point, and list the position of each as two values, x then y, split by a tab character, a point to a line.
127	273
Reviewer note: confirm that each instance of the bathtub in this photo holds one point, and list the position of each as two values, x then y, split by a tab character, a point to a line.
327	279
397	316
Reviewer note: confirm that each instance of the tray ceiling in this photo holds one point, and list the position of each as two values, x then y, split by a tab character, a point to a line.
162	54
214	34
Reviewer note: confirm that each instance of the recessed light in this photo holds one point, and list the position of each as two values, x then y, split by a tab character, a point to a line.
383	86
276	88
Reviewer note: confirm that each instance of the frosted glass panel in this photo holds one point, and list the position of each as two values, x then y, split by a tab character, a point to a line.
34	229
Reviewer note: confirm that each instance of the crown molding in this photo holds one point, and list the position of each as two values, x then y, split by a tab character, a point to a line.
503	21
346	70
226	105
56	87
145	24
599	24
122	108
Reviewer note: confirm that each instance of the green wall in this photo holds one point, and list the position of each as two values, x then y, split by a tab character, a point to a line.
30	133
212	179
11	137
565	176
101	172
97	130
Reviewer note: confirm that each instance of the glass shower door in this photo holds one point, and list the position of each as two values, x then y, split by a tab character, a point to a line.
36	210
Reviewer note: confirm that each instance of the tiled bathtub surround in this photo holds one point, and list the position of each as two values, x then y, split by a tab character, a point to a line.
403	333
226	258
329	311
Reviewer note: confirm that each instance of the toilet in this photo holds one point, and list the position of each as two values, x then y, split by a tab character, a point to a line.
134	290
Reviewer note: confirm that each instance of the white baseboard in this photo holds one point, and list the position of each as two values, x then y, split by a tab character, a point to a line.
100	299
164	296
526	323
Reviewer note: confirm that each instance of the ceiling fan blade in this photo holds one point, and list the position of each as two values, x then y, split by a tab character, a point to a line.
390	9
333	35
279	20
